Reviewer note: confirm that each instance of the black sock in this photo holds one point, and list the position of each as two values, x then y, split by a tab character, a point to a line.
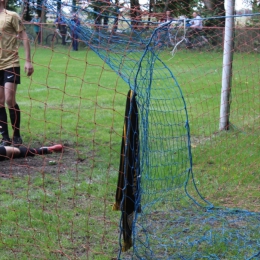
2	153
3	123
15	116
24	152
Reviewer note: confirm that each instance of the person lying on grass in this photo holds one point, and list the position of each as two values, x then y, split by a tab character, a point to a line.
9	152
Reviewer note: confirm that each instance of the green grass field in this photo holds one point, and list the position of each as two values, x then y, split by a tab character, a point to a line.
74	98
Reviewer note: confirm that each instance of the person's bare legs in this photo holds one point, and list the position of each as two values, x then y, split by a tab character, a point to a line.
12	151
10	93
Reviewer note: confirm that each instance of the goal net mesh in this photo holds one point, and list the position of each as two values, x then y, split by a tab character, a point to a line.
145	172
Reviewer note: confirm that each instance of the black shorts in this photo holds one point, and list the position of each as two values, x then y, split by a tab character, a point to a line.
2	153
10	75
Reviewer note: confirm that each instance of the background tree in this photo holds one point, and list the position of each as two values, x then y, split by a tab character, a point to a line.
74	8
27	17
176	7
28	8
135	13
12	5
101	12
214	8
59	6
255	9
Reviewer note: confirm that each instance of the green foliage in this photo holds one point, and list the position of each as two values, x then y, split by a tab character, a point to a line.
217	10
177	8
13	5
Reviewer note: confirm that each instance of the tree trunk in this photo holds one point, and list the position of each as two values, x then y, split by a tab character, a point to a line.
74	9
209	4
219	7
42	12
166	6
27	16
59	6
135	13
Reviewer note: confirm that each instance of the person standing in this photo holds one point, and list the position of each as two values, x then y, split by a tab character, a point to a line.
37	27
11	31
61	25
196	22
75	36
195	28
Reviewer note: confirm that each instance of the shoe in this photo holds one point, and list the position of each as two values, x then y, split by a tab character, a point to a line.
55	148
5	142
17	141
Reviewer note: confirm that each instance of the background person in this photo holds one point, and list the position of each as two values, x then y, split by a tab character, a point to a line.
61	25
9	152
12	30
36	27
195	28
75	36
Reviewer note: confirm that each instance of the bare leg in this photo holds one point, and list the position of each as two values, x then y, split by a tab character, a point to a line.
10	93
12	151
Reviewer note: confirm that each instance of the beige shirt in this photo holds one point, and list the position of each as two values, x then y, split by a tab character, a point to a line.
10	26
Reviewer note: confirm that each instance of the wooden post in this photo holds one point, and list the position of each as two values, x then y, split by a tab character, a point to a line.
227	66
